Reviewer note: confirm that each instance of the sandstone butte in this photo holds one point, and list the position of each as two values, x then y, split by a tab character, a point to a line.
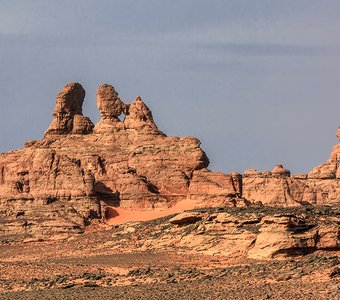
58	185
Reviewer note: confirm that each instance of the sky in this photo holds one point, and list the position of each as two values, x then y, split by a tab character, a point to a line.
257	81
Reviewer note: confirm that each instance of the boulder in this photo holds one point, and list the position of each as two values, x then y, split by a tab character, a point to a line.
186	218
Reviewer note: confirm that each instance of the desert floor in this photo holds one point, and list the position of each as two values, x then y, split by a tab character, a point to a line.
97	265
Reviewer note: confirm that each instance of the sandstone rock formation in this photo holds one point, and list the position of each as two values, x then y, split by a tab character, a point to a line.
67	115
186	218
264	233
280	171
139	116
58	185
280	188
111	108
109	103
62	182
331	168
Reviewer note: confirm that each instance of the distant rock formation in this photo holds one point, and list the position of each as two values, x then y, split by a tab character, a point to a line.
331	168
67	115
257	234
280	188
280	171
56	186
62	182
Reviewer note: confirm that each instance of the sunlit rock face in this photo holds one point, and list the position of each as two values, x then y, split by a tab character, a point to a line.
57	185
68	113
280	188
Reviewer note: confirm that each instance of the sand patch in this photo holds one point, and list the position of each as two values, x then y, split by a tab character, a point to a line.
117	215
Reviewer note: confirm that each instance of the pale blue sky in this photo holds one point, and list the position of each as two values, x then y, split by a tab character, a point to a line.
258	82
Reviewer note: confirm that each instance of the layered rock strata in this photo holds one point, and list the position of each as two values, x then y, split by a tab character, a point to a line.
280	188
57	185
67	115
62	182
256	233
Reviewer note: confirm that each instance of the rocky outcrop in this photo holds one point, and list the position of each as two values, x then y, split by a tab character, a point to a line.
275	188
111	108
205	184
74	172
256	233
109	103
186	218
139	116
331	168
279	171
61	183
280	188
67	115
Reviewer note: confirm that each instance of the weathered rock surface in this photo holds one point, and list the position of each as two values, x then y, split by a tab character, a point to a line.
280	188
111	108
67	115
75	171
109	103
139	116
160	260
256	233
331	168
185	218
58	185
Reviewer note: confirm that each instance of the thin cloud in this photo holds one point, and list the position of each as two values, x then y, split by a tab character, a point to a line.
267	49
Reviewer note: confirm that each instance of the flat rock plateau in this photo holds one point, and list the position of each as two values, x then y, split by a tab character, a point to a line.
120	210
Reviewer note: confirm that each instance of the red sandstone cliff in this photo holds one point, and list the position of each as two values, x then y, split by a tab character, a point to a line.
59	183
63	181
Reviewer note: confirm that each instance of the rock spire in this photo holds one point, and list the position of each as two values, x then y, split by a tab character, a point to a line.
68	113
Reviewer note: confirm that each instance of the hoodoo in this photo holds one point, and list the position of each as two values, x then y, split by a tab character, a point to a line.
56	186
68	113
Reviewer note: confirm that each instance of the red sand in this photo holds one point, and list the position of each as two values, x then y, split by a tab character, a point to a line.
119	215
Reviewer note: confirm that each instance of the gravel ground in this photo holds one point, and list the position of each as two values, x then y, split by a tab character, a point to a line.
201	289
104	265
311	277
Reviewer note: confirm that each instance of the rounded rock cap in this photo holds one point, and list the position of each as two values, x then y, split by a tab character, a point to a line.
252	172
279	170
